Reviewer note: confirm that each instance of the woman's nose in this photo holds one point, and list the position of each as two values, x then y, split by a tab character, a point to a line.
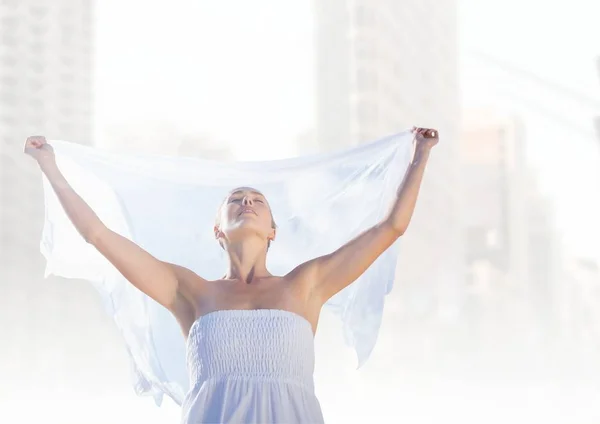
247	201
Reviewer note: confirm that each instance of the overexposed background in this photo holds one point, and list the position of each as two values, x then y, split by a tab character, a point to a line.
495	314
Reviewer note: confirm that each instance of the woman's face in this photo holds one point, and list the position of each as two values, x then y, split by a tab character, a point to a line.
245	212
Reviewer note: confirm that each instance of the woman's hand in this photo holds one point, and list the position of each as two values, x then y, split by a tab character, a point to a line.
38	148
426	137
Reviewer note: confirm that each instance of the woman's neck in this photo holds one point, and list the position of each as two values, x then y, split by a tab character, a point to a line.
247	261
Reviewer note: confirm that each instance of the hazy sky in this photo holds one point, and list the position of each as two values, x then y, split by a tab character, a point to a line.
209	70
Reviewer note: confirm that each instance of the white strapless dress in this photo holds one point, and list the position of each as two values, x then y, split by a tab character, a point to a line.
251	366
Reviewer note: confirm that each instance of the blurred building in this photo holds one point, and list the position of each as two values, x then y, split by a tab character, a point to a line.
513	249
495	178
383	67
580	309
45	89
578	323
545	263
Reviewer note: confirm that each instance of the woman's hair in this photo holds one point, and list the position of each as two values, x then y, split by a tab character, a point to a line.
218	221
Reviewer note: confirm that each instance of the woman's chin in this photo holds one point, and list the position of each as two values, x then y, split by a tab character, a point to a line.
246	228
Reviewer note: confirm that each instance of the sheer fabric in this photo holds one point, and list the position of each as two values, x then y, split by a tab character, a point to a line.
167	205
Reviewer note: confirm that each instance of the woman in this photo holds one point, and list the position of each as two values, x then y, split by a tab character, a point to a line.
249	334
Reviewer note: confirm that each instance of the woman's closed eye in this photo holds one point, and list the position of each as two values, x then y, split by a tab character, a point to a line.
239	199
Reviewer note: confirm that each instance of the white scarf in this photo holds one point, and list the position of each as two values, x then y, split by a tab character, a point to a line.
167	205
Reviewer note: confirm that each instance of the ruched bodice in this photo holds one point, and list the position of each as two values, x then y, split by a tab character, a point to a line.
251	366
